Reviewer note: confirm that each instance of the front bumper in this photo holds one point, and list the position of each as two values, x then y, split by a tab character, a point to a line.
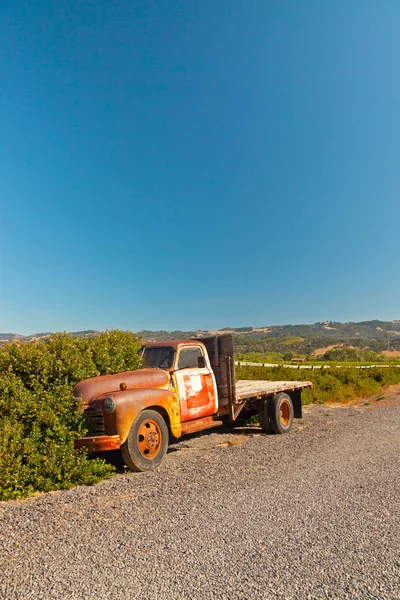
98	443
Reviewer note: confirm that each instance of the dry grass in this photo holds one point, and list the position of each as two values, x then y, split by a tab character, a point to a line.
391	353
321	351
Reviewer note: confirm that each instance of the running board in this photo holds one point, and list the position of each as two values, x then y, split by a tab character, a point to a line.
200	425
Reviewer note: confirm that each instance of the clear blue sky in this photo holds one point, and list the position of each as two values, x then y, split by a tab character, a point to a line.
182	164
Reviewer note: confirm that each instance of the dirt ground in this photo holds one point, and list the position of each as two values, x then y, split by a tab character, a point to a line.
229	515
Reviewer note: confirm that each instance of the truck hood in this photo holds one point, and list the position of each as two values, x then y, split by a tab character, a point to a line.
89	389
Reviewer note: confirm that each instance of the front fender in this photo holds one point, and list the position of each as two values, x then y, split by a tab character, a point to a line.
129	403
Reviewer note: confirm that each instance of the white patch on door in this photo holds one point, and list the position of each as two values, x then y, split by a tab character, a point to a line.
195	382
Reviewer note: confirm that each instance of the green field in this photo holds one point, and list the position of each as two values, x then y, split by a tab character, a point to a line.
329	385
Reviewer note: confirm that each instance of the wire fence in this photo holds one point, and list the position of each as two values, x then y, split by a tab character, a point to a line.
241	363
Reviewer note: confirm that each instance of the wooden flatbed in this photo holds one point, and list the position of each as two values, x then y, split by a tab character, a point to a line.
255	389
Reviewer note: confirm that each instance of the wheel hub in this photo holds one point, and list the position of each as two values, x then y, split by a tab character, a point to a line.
149	438
284	413
152	440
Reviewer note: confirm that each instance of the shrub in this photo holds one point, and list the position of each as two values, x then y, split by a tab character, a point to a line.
40	420
335	384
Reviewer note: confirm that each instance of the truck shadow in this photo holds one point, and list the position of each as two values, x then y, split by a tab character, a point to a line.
231	434
232	437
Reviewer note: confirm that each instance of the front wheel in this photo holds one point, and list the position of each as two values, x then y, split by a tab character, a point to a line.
281	413
147	442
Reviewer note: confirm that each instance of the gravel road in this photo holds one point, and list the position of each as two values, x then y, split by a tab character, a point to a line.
313	514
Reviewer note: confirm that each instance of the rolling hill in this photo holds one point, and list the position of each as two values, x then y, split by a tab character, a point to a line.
311	340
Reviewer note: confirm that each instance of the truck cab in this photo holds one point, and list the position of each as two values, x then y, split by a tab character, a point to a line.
191	376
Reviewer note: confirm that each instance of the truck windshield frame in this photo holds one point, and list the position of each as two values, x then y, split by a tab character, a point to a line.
160	357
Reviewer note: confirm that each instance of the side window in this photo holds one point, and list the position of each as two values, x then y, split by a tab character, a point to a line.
188	358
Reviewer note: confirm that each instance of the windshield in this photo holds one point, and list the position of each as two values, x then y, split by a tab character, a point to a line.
158	358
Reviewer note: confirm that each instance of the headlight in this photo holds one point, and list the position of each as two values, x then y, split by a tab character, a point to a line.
109	404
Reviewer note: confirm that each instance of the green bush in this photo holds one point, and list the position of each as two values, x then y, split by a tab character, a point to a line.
329	385
40	420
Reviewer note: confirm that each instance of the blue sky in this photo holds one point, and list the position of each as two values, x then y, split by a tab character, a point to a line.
184	165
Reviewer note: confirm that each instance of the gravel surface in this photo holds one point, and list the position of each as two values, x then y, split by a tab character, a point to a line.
313	514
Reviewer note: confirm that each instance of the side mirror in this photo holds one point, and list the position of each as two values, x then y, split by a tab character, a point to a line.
201	362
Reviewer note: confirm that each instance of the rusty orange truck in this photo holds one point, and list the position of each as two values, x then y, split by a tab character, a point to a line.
182	387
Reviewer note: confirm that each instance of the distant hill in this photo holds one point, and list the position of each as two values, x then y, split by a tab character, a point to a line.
329	330
9	337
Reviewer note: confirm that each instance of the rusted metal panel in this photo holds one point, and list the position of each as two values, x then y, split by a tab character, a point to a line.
173	343
89	389
196	387
220	351
200	425
98	443
129	403
196	394
223	411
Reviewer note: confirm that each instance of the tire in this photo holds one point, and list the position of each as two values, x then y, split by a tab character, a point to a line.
263	415
147	442
280	410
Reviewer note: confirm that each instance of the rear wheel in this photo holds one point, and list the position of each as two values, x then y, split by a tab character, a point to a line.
147	442
263	415
281	413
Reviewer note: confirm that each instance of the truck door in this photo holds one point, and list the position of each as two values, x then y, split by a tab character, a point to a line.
195	384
